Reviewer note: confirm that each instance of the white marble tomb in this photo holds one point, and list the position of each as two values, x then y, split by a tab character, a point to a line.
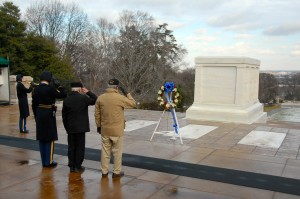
226	90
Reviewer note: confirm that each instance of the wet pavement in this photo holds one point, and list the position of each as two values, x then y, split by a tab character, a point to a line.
289	114
218	145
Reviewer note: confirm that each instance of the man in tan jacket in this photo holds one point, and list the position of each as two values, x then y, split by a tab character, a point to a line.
110	121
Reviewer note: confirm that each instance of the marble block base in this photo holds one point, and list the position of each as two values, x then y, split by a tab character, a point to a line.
252	114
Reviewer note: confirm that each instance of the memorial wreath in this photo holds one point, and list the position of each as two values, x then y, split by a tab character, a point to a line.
168	96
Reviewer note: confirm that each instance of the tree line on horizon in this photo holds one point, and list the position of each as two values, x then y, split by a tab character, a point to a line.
273	89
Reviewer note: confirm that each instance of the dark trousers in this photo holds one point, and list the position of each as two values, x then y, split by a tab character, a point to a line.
22	123
46	150
76	147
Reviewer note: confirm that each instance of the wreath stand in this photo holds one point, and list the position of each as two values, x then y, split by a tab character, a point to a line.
176	126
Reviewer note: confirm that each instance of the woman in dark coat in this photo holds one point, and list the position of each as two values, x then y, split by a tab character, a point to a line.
44	104
23	103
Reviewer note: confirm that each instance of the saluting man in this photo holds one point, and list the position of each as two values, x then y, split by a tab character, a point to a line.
46	131
110	121
76	122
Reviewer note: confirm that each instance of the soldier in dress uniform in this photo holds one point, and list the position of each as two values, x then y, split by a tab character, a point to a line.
23	103
44	104
76	122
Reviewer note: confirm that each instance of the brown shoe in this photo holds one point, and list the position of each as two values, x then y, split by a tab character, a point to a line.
104	175
114	175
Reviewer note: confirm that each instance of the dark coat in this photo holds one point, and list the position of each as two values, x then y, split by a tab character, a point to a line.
75	112
43	97
22	98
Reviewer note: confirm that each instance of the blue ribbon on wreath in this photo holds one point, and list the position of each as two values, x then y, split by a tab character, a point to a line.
168	91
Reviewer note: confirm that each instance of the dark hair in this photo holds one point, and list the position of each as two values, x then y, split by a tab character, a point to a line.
19	77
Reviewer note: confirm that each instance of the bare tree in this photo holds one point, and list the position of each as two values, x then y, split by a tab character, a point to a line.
142	21
75	32
292	83
268	88
47	19
142	56
186	83
133	65
144	53
98	55
36	20
65	24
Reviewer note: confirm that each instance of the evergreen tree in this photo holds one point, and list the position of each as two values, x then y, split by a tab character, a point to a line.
12	36
43	55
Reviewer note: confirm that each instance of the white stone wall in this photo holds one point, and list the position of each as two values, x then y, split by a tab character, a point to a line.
4	86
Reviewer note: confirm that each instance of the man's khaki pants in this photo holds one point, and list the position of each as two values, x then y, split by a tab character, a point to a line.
114	144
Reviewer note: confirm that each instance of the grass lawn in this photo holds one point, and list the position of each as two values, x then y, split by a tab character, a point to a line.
268	108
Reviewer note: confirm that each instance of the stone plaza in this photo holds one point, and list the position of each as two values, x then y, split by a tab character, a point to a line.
269	150
226	147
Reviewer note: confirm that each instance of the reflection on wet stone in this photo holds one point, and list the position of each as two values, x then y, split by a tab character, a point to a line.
76	186
22	162
47	188
27	162
288	115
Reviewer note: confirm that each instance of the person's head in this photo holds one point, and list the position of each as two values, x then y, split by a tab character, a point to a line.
19	77
113	83
76	86
46	76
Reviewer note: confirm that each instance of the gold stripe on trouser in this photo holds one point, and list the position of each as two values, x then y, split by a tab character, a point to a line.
51	152
114	144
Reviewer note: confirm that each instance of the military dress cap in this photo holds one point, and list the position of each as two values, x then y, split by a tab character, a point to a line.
46	76
19	77
113	82
76	85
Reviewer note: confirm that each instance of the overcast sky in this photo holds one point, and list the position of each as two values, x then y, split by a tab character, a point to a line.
268	30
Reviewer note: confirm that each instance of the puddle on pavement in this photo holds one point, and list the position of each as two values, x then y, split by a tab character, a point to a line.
27	162
287	115
171	190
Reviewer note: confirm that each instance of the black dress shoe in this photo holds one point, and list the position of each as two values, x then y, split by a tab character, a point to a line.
114	175
104	175
24	131
79	169
52	165
72	169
